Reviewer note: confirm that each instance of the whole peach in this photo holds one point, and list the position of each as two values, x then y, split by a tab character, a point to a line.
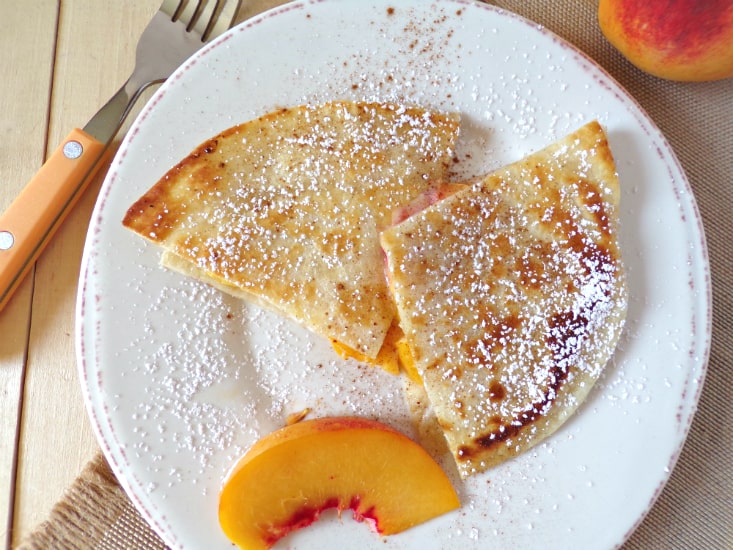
686	40
291	475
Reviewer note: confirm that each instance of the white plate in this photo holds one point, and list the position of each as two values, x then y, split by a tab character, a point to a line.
179	380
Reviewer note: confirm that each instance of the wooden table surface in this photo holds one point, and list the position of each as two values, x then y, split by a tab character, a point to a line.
61	61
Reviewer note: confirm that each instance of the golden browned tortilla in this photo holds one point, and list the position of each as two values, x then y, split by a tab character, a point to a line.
286	210
512	297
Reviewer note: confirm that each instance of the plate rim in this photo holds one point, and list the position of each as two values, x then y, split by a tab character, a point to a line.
701	265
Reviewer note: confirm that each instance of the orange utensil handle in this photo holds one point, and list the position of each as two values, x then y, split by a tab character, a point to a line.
30	221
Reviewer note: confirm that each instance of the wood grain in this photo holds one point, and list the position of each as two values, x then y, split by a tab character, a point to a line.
95	47
24	98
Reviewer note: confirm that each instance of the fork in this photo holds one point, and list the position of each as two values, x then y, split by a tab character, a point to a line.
177	30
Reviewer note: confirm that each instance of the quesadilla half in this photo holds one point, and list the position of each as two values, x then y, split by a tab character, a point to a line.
511	294
285	210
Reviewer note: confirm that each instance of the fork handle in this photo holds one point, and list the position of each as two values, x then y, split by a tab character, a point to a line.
33	217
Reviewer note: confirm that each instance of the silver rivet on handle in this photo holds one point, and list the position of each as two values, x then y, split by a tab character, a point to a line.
6	240
73	149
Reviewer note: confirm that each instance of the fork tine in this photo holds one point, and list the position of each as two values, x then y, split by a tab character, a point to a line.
173	8
214	18
200	7
205	18
222	16
179	9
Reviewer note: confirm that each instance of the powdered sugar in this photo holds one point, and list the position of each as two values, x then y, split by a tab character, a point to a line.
317	51
222	382
504	365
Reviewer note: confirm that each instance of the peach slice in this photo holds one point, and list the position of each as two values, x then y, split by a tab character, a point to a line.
290	476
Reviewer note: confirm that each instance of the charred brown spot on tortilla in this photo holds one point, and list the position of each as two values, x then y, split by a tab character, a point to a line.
526	282
507	431
497	391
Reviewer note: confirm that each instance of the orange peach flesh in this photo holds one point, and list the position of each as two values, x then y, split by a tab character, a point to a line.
387	358
290	476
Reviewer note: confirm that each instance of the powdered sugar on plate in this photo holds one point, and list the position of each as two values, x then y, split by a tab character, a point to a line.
180	380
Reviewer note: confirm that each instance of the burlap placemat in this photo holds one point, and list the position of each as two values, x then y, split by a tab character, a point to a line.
695	510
